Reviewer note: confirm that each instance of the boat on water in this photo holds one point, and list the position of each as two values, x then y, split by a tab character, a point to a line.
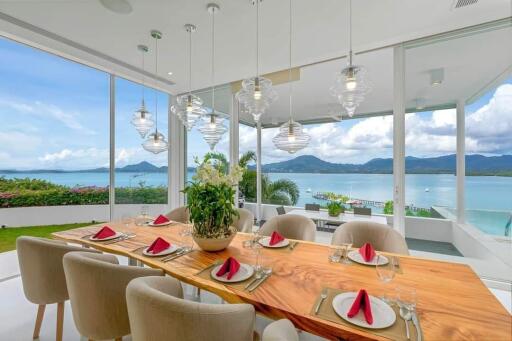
308	190
427	189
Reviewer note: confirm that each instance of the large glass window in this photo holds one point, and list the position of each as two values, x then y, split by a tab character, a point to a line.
54	135
141	176
247	156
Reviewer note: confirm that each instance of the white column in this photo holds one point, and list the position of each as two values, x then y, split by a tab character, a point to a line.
234	137
461	160
258	173
112	148
177	163
399	138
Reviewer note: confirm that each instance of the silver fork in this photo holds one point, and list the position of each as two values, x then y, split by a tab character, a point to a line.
267	273
123	237
323	296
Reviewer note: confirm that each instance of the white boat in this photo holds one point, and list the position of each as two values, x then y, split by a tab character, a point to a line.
427	189
308	190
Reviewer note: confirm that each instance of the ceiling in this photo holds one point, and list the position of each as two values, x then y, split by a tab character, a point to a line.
108	40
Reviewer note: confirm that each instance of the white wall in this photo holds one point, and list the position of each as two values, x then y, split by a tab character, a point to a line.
50	215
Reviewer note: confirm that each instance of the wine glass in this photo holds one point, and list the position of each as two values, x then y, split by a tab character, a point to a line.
186	238
386	272
126	219
335	253
256	248
406	298
349	241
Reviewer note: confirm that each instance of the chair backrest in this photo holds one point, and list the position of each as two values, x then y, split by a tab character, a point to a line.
312	207
382	237
179	214
362	210
97	291
280	210
158	312
245	221
290	226
42	274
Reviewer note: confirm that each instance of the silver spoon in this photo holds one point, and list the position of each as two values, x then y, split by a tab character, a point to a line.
406	315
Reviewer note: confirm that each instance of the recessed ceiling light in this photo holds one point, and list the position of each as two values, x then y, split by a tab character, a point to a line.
436	77
117	6
169	73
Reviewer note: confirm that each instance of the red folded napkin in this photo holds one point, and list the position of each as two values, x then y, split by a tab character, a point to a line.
158	246
362	301
230	266
367	251
105	232
161	219
275	238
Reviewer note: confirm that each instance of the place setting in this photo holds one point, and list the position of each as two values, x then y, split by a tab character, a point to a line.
274	241
393	320
160	221
164	250
106	235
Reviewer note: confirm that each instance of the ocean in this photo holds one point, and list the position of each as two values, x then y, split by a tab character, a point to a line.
489	193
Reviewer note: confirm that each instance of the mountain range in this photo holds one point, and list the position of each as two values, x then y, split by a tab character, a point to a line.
475	165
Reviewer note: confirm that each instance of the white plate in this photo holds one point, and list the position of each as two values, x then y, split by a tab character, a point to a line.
383	315
266	243
356	257
162	224
245	272
165	252
117	235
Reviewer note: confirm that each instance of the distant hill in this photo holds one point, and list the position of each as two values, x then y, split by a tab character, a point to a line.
475	165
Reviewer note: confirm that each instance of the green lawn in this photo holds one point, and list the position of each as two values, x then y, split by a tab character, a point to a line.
8	235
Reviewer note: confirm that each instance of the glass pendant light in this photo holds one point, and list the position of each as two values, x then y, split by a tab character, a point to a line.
156	143
291	137
257	93
142	118
352	83
213	126
188	107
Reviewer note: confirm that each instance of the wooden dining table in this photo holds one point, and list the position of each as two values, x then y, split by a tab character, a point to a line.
452	301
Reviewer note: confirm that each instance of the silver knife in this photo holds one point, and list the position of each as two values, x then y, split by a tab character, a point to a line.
260	282
177	256
416	323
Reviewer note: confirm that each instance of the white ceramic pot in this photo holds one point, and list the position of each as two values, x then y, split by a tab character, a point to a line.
214	244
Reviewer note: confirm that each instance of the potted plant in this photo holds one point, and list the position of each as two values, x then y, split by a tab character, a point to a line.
211	204
334	208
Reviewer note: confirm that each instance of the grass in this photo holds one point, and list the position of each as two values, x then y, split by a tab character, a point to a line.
8	235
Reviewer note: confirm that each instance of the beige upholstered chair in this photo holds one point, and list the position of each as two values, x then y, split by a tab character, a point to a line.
43	277
291	226
382	237
281	330
97	291
158	312
245	222
179	214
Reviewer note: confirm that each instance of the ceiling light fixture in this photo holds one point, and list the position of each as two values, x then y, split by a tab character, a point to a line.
169	73
436	77
291	138
352	83
213	127
117	6
156	143
189	107
257	93
142	118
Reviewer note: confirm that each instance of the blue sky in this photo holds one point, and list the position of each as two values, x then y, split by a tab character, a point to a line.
55	115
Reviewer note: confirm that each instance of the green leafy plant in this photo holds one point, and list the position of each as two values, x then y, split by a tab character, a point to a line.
211	199
334	208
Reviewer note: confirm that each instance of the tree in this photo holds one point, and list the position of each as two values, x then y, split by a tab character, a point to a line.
280	192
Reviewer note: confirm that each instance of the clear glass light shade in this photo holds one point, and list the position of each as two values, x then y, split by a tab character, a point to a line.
351	87
142	120
189	109
155	143
256	95
213	129
291	138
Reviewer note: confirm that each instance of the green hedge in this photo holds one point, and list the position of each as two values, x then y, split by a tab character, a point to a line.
33	192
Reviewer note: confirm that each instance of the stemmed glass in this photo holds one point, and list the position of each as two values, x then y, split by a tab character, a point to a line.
386	272
186	238
126	219
406	300
349	241
256	248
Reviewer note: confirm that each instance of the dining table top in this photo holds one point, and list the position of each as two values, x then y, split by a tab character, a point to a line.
452	302
345	217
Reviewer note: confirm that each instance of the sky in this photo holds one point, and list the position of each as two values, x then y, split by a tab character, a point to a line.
54	114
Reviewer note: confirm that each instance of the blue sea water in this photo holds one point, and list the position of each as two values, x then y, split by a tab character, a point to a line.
487	193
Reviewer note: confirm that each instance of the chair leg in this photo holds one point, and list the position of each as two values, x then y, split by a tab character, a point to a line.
39	320
60	321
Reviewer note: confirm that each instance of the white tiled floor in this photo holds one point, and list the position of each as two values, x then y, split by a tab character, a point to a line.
17	315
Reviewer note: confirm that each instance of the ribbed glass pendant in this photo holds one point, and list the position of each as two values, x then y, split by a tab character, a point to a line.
256	95
189	109
212	129
142	120
291	137
351	87
155	143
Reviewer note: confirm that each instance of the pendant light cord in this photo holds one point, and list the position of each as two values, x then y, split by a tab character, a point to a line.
213	60
350	31
258	38
290	63
143	75
156	94
190	61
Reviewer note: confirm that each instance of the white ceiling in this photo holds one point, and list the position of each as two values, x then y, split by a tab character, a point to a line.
320	33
